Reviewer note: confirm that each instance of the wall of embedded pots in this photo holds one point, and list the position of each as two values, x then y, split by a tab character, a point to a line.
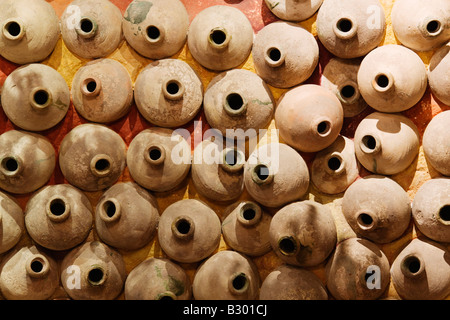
107	191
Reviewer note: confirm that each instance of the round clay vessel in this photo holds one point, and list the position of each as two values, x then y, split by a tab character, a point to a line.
168	93
152	32
284	54
159	159
126	216
102	91
59	217
35	97
220	37
436	143
27	161
12	224
335	167
294	10
28	273
392	78
93	271
275	174
227	275
30	30
91	28
309	117
288	282
438	74
421	271
357	270
431	209
377	208
351	28
158	279
92	157
386	143
189	231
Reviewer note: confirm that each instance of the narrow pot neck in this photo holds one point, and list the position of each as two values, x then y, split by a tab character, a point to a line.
412	266
274	57
154	35
238	283
101	165
87	28
183	228
110	210
262	174
37	266
173	89
155	154
58	209
40	98
219	39
91	86
249	214
11	166
13	29
345	28
431	27
232	160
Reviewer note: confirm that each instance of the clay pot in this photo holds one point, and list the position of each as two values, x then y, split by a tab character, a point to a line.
341	26
431	209
126	216
220	37
168	93
153	33
377	208
159	159
189	231
102	91
30	30
335	167
227	275
436	143
422	271
92	157
93	271
245	228
292	283
28	274
27	161
35	97
357	270
293	10
303	233
91	28
275	174
309	117
59	217
12	222
386	143
437	74
421	26
392	78
285	54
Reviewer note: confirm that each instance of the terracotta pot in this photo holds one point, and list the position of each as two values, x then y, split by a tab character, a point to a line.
342	24
357	270
59	217
92	157
220	37
437	74
436	143
30	30
27	161
126	216
35	97
93	271
151	31
12	223
159	159
386	143
168	93
158	279
91	28
392	78
293	10
102	91
227	275
285	54
309	117
275	174
189	231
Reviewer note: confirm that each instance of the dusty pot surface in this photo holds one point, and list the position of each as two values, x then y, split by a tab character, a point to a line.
309	117
126	216
168	93
151	31
285	54
102	91
12	223
58	217
220	37
35	97
392	78
294	10
436	143
189	231
30	30
227	275
159	159
438	74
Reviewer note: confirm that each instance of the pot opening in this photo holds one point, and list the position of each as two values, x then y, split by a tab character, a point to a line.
96	276
37	266
153	33
334	163
102	165
218	37
91	86
249	214
382	81
183	226
240	282
231	157
166	296
323	127
365	221
235	101
287	246
41	97
57	207
369	142
155	154
348	92
262	172
444	213
433	27
13	28
412	265
344	25
86	25
10	165
274	54
173	87
110	208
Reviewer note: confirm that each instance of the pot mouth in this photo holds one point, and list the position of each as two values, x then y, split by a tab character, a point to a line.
348	92
412	266
86	28
96	276
249	214
345	28
166	295
91	87
155	154
37	266
262	174
58	209
383	82
274	57
431	27
233	160
235	104
335	164
238	283
40	98
444	215
183	227
173	89
110	210
219	38
11	166
13	29
366	221
322	127
288	246
154	34
370	144
101	165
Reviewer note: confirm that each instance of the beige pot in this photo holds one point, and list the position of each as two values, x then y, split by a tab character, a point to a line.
294	10
437	74
12	222
436	144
